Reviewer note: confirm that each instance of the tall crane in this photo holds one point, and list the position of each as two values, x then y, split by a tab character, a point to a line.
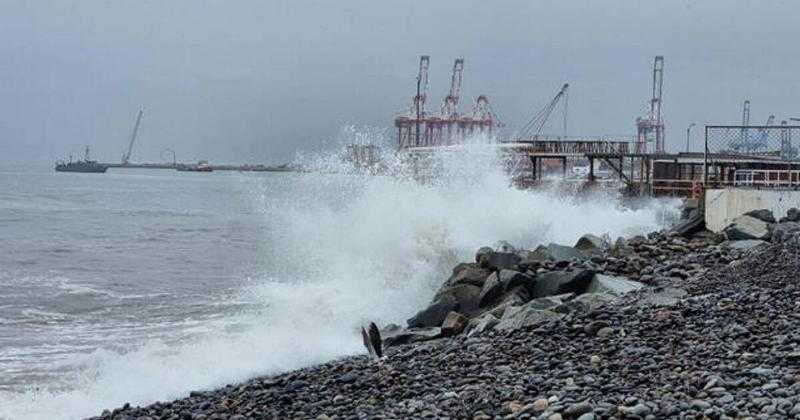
746	113
535	125
127	156
422	89
763	134
450	103
422	86
652	125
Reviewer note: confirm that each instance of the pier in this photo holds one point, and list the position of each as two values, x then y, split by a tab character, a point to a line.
219	167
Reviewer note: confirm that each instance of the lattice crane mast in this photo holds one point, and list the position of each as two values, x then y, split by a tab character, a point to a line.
651	127
534	126
450	103
127	156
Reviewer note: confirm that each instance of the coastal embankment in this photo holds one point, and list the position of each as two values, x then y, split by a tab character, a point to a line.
677	323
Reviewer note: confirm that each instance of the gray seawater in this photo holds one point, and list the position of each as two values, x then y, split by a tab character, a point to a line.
141	285
106	260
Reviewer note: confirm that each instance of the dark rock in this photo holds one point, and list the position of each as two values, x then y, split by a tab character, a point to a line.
783	231
591	244
764	215
616	286
348	378
466	296
482	253
499	282
514	297
577	410
565	253
595	326
747	227
481	325
560	282
690	226
468	273
498	260
412	335
516	317
453	324
792	215
434	314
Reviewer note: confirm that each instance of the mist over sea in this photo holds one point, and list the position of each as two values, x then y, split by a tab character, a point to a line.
142	285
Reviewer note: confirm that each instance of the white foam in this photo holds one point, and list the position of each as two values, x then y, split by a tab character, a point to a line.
355	248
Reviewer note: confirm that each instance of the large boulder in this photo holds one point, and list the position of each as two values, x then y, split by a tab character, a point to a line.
560	282
412	335
783	231
435	313
616	286
481	325
468	273
747	227
497	260
765	215
453	324
693	224
554	252
792	215
467	297
565	253
514	297
523	316
501	281
591	244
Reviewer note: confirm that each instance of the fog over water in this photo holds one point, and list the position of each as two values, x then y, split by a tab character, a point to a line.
253	81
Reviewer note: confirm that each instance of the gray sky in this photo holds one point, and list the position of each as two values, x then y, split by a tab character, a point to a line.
253	81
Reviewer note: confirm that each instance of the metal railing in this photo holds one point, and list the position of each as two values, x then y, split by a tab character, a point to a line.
731	145
766	178
556	147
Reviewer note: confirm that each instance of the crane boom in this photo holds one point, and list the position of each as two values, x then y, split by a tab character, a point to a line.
127	156
534	127
450	103
422	86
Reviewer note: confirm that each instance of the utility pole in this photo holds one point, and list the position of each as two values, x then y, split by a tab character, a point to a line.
688	131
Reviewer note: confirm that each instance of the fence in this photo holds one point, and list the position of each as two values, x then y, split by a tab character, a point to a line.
732	148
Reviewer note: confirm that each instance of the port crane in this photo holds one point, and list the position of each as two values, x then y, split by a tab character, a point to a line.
127	156
450	103
652	125
760	140
533	128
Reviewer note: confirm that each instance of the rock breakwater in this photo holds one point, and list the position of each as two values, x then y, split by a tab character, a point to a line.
648	327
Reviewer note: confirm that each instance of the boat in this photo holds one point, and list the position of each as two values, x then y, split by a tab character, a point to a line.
201	166
85	165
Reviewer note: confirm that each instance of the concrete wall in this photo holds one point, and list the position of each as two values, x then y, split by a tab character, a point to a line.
725	204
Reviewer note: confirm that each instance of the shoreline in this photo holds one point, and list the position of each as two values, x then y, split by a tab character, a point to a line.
707	329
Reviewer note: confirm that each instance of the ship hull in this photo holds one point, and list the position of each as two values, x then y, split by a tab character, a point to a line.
89	169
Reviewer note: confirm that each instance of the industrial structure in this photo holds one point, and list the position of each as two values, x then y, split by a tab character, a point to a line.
126	157
650	128
419	127
734	155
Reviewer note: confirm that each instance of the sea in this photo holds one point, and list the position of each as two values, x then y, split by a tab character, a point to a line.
143	285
